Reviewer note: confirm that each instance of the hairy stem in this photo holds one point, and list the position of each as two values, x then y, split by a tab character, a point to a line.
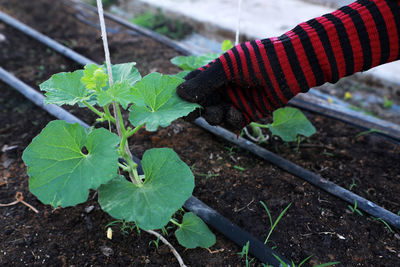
97	112
175	222
165	241
117	112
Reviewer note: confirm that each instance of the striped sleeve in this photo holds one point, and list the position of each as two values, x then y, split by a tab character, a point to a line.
353	38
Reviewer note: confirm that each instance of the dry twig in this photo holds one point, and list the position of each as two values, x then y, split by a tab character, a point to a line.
19	199
165	241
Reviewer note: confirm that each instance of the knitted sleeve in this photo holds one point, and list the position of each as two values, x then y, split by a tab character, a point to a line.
354	38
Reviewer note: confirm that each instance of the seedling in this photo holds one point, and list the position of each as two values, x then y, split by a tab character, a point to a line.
289	123
355	209
372	130
237	167
384	222
245	254
387	103
284	264
66	160
273	224
353	184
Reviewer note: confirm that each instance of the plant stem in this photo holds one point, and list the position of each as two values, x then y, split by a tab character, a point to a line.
133	131
165	241
98	112
259	125
117	112
175	222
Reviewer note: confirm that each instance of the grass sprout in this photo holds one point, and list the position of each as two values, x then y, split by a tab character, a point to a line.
273	224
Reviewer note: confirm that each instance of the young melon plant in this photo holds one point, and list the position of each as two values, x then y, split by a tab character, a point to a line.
288	123
66	160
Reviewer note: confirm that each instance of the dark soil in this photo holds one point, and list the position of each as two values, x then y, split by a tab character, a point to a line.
316	224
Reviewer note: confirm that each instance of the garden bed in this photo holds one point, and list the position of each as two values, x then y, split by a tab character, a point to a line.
316	223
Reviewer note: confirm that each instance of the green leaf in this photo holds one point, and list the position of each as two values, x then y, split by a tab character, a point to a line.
194	232
60	173
193	62
119	92
94	77
125	72
289	122
226	45
65	88
168	184
181	74
156	102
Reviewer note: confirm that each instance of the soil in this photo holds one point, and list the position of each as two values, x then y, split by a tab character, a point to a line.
316	224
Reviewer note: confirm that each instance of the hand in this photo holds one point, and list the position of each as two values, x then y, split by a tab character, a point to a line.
224	100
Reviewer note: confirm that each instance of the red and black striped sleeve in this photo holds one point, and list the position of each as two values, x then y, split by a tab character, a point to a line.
353	38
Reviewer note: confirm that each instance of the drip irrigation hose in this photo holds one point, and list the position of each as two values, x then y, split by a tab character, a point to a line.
38	98
44	39
344	194
386	129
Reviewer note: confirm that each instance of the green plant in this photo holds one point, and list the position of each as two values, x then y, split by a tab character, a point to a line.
387	103
66	160
173	28
284	264
372	130
288	123
273	224
245	254
355	209
353	184
384	222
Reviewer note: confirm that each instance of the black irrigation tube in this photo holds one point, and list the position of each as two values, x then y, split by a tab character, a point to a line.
344	194
387	130
210	216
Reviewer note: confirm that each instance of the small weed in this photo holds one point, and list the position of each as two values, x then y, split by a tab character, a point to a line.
384	222
207	175
245	254
239	168
126	227
355	209
273	224
173	28
155	242
230	150
372	130
284	264
328	154
353	184
387	103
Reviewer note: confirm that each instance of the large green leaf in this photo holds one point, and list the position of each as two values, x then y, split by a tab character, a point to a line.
60	173
168	184
65	88
194	232
156	102
193	62
290	122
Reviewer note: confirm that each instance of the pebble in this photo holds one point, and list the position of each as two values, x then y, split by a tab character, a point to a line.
89	209
107	251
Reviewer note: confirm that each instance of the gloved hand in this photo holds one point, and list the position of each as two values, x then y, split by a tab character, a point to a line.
252	79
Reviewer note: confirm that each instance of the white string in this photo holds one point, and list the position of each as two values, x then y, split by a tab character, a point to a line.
238	21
